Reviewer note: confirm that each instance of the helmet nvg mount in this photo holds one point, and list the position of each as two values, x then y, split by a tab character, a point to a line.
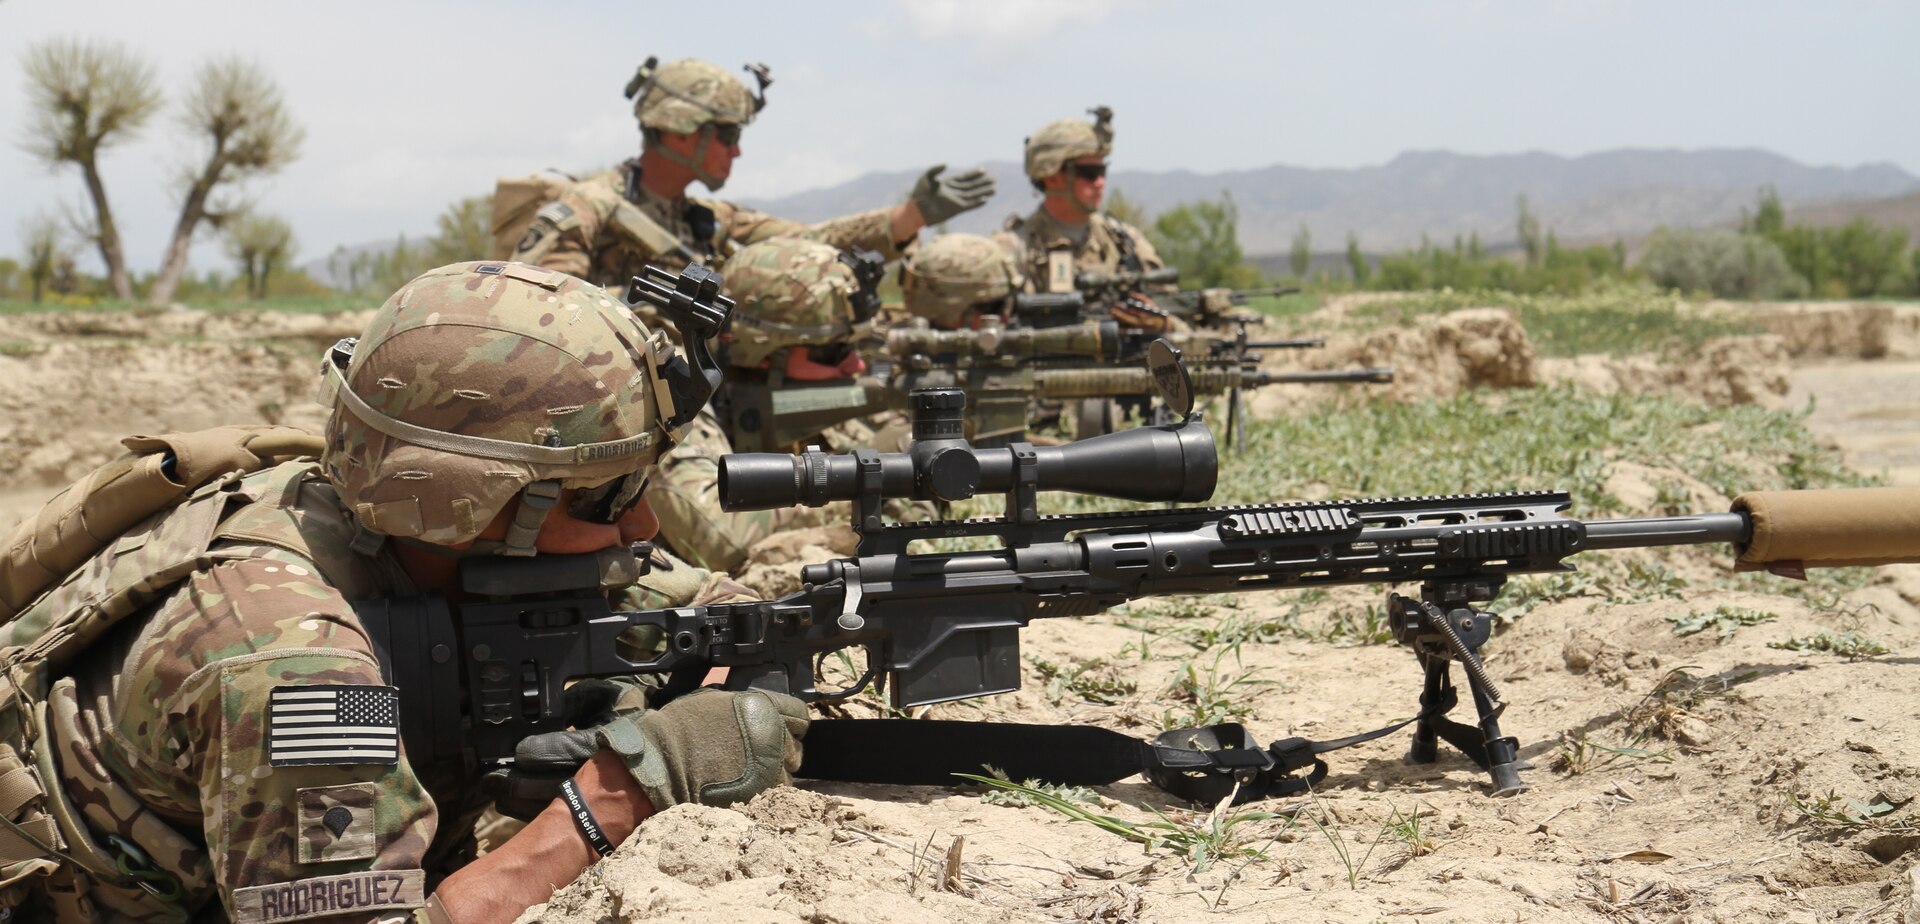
478	384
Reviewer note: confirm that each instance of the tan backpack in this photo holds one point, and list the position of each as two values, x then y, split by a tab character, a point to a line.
105	544
516	199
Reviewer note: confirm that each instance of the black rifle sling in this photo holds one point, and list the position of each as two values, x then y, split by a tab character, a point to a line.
1197	764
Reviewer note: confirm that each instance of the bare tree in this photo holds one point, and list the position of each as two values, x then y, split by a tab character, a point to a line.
236	108
44	254
83	98
260	244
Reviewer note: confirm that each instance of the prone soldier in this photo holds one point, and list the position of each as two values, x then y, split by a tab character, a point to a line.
691	113
955	278
796	321
228	731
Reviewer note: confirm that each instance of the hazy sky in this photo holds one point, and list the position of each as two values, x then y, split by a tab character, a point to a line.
410	105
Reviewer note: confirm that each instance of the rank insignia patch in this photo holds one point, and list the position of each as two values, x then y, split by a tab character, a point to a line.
333	724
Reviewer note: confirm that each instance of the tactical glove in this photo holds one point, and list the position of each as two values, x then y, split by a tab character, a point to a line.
542	762
711	747
941	198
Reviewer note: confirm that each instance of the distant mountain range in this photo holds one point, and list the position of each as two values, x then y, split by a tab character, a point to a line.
1592	198
1623	193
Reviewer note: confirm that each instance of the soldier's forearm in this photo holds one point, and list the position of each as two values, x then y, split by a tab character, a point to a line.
549	852
906	223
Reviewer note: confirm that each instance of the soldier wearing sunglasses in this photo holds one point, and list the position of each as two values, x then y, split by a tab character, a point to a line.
1068	234
691	113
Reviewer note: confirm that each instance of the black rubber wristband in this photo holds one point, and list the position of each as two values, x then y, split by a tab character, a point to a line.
583	818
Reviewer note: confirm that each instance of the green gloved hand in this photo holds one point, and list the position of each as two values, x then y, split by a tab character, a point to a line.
941	198
710	747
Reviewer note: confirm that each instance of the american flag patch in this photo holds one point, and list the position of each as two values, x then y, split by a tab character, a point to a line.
344	724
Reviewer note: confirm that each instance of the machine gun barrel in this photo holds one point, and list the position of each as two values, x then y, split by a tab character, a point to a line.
1093	339
1120	381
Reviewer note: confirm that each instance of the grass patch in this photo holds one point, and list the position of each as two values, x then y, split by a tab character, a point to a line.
1834	813
1845	644
1089	679
1680	696
1213	693
1284	307
1201	838
1581	754
1617	320
1724	619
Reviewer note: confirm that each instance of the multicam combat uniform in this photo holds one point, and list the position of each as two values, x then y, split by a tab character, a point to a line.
585	233
1052	254
162	732
235	740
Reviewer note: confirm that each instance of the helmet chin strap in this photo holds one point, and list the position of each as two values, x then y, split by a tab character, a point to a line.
536	501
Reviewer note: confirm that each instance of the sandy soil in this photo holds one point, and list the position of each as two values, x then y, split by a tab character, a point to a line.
1697	825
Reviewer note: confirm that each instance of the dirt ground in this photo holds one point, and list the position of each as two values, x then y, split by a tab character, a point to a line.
1710	817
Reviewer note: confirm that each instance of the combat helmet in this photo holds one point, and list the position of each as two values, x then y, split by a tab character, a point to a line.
1051	147
955	272
681	96
479	383
791	292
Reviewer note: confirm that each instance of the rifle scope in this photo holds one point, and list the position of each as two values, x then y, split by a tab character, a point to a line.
1164	463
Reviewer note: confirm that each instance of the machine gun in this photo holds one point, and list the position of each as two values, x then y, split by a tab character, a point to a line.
935	627
1003	369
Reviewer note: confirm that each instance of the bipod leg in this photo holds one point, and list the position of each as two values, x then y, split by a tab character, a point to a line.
1438	637
1425	748
1503	751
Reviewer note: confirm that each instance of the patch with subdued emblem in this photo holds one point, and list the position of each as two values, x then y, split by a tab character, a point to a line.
365	894
324	724
336	823
1059	271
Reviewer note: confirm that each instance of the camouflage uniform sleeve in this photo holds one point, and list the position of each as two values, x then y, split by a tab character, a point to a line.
563	231
685	494
346	840
869	230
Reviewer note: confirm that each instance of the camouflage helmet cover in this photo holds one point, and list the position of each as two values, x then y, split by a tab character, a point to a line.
1051	147
788	292
681	96
478	379
954	272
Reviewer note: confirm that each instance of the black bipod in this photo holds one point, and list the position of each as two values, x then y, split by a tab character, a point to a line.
1442	627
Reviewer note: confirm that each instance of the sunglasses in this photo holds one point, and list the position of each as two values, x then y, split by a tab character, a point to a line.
1088	171
609	502
726	134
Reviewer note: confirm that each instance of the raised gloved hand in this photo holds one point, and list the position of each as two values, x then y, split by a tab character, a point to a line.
710	747
941	198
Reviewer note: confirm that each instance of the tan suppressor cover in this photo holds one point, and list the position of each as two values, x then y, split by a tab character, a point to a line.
1832	528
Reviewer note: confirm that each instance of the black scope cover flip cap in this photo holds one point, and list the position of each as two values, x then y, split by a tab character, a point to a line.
1163	463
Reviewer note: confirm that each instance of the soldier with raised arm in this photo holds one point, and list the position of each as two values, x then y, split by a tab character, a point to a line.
691	114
